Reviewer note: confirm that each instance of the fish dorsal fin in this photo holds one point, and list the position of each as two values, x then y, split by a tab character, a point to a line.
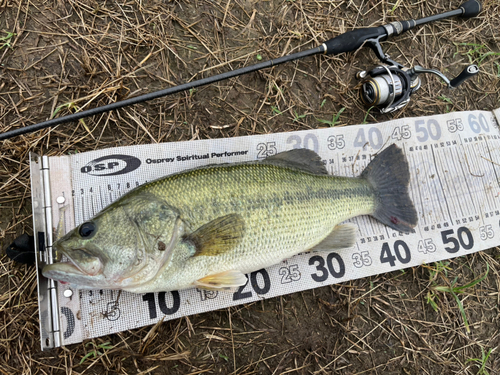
224	280
218	236
342	237
302	159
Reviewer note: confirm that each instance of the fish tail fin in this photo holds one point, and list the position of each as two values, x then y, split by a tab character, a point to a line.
389	175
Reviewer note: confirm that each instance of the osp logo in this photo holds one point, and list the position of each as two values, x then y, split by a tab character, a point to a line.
111	165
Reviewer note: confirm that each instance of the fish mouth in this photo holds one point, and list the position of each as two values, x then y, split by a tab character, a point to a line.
56	270
71	267
64	272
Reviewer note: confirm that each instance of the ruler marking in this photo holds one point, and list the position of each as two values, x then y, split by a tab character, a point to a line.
496	152
467	175
441	184
493	181
484	165
479	182
416	189
456	189
471	176
412	177
489	172
438	193
467	169
92	208
491	195
429	184
371	226
494	165
82	205
100	197
463	206
386	229
477	178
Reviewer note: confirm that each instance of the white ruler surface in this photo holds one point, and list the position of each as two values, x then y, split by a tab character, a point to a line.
454	163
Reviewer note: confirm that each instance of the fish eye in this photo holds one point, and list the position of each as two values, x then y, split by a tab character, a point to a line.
87	230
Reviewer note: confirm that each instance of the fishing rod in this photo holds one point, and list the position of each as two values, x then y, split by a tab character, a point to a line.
387	87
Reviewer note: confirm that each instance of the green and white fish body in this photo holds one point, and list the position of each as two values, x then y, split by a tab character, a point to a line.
208	227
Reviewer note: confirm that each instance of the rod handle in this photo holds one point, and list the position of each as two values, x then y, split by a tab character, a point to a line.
467	73
352	40
471	8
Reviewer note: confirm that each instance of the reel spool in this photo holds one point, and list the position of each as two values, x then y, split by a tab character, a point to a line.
389	88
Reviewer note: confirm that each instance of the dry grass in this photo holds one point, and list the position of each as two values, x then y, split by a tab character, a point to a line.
83	54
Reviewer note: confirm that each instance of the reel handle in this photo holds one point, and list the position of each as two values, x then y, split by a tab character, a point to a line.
467	73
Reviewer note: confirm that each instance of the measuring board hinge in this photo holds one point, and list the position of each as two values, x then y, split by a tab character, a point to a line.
42	229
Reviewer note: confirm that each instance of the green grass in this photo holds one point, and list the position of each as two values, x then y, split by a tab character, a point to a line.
334	120
5	41
453	289
297	117
395	6
95	352
72	107
276	110
476	52
367	114
447	100
481	362
224	357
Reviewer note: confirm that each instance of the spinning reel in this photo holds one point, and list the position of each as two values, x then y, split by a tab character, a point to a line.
389	87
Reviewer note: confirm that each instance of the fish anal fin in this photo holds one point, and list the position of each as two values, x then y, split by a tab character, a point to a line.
218	236
342	237
222	281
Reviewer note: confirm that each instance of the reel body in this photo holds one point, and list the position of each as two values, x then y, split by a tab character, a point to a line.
390	86
387	88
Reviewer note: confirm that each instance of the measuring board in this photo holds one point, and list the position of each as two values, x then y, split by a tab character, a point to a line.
454	164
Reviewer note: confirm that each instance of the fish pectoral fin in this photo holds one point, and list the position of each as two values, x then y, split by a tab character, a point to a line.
225	280
342	237
218	236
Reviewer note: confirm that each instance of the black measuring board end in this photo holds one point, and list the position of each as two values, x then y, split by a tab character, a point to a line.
22	250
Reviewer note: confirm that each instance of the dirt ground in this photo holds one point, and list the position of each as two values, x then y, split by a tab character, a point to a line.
62	56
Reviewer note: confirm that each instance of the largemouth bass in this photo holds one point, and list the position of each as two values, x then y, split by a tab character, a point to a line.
207	227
